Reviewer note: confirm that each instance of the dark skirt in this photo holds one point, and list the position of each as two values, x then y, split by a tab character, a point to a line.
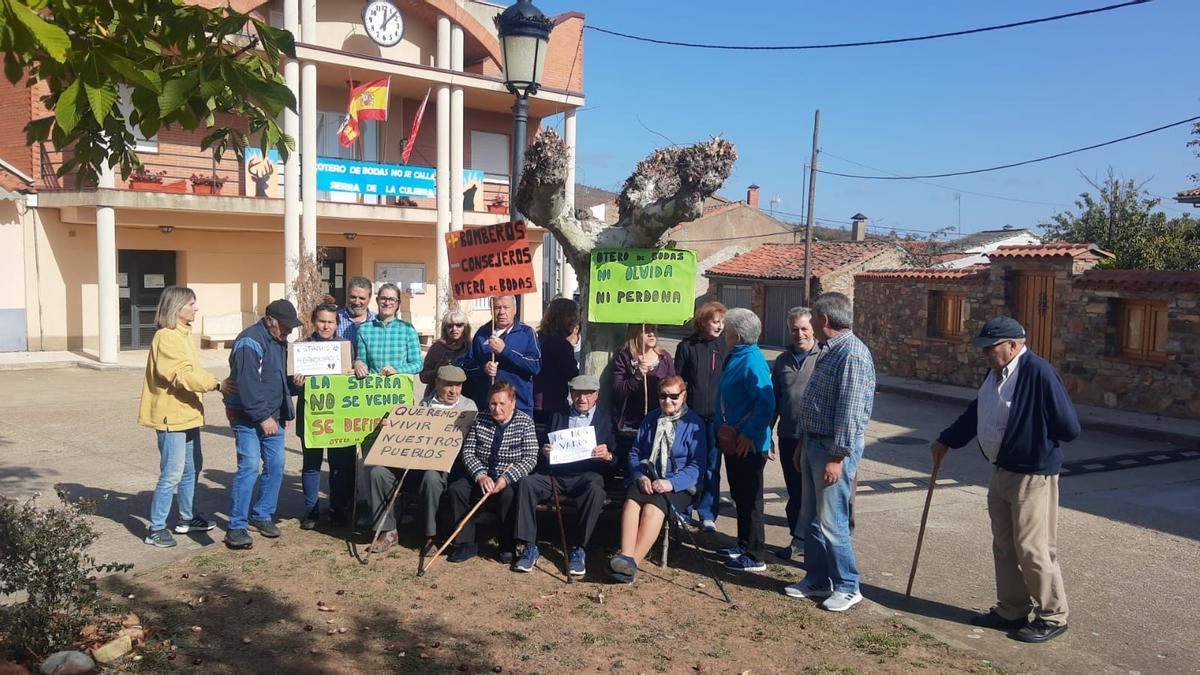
680	500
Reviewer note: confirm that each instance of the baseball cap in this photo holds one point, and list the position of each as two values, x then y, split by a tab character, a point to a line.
998	329
451	374
584	383
284	312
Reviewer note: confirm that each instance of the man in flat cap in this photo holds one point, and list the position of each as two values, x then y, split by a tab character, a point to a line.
581	480
1021	415
445	394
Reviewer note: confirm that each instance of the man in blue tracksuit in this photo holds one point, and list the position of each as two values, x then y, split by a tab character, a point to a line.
1021	415
517	356
258	411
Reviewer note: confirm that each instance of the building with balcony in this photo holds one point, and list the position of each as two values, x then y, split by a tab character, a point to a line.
238	244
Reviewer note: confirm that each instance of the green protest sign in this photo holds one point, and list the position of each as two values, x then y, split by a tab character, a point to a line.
642	285
343	409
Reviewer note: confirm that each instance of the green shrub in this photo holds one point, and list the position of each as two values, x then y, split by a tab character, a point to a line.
44	560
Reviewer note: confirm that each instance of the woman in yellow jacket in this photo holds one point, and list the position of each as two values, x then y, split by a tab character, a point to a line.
171	405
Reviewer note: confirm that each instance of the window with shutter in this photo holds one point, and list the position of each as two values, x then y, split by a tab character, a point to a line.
947	314
1143	326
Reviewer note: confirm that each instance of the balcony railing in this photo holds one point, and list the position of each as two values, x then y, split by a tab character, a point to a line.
191	172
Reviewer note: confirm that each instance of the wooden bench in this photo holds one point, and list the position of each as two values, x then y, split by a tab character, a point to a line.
224	327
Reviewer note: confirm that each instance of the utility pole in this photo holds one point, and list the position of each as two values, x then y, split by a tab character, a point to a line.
812	196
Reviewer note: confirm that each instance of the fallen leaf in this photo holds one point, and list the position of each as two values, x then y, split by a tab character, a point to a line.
196	629
246	640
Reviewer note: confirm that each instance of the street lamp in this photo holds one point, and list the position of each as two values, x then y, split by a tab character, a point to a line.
524	34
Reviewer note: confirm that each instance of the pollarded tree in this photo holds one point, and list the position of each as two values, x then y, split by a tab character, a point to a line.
667	188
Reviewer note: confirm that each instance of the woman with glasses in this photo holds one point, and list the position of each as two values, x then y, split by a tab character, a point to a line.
558	360
664	466
453	343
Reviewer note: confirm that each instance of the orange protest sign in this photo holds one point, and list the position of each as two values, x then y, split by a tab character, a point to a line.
490	261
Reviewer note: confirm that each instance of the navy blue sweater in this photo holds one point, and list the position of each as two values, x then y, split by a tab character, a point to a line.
1042	416
520	361
258	363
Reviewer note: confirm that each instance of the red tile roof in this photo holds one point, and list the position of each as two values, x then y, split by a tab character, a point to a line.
1194	192
1055	249
786	261
972	274
1141	280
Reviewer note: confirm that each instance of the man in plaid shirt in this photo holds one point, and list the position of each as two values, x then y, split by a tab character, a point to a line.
387	344
834	414
500	449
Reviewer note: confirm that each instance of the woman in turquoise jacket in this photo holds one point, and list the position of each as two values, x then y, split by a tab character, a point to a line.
745	405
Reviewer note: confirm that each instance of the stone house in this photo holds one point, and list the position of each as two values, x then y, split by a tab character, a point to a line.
769	280
1127	339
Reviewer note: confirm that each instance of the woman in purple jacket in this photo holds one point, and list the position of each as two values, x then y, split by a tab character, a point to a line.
642	361
558	360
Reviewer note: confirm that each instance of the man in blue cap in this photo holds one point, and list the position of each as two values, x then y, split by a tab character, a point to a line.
1021	415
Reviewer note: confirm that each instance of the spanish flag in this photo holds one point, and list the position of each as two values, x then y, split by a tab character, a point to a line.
368	101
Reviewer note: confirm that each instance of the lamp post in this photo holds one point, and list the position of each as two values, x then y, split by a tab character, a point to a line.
524	35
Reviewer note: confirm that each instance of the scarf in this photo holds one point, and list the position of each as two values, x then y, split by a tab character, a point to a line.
664	440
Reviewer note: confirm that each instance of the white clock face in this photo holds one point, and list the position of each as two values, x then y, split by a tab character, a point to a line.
383	22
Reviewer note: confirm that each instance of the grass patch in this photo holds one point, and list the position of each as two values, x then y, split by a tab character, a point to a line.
827	669
509	635
526	613
880	643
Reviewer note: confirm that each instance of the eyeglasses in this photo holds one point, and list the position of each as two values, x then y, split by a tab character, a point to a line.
387	301
455	325
665	396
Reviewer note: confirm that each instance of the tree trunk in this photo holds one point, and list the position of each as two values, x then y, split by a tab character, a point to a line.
666	189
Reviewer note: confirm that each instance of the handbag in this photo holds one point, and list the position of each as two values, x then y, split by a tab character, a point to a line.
727	435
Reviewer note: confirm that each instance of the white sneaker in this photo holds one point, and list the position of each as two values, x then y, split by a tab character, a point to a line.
802	589
840	602
708	526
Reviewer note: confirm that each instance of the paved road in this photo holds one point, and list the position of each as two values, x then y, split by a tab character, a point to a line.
1128	537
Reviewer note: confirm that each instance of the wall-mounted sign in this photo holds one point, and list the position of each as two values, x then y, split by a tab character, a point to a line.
393	180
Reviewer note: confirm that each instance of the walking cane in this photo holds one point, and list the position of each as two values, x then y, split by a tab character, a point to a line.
379	523
937	462
463	523
562	531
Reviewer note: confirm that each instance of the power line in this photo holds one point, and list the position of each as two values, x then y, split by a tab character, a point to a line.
869	43
1015	164
946	187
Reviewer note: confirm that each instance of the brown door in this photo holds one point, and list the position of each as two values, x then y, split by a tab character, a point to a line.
1034	309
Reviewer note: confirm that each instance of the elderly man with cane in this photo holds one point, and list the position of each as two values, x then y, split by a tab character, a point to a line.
445	394
1021	415
582	481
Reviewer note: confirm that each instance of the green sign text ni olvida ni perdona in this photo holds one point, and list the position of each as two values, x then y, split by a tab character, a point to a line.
642	285
343	410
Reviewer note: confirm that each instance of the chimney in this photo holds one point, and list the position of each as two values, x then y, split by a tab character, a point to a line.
858	227
752	196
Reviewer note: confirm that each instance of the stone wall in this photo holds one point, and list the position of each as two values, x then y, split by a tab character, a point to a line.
892	317
1095	372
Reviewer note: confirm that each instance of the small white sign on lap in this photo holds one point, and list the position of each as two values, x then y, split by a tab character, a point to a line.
572	445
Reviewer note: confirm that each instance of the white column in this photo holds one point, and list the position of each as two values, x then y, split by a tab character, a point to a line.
568	282
443	167
308	134
107	305
456	131
291	167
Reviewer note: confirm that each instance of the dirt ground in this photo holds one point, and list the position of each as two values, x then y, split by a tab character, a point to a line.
302	603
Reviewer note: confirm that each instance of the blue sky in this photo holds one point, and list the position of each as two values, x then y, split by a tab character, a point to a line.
928	107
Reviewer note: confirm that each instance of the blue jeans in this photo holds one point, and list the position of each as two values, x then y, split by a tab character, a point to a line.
256	453
708	502
828	551
341	477
180	463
